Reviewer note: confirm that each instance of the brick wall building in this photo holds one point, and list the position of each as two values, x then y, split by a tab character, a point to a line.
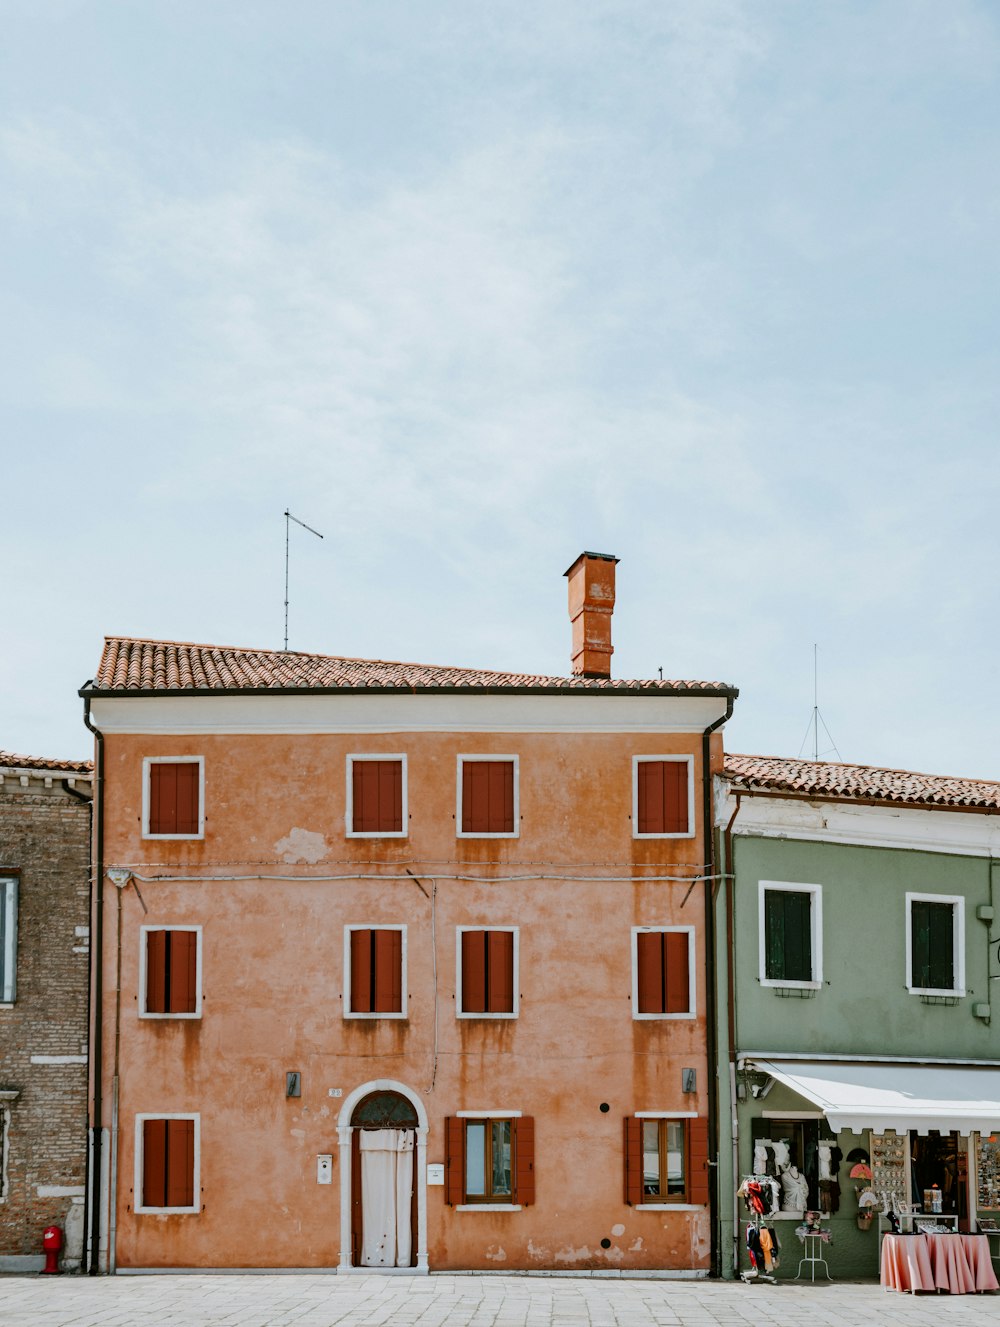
44	955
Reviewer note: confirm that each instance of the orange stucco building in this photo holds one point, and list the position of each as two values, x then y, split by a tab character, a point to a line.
402	966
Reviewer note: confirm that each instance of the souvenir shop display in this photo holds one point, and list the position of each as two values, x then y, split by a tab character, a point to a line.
812	1235
888	1170
760	1195
988	1172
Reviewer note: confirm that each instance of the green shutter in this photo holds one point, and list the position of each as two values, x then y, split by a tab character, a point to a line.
932	934
788	935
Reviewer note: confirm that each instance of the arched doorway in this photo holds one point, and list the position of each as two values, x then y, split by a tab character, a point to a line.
383	1152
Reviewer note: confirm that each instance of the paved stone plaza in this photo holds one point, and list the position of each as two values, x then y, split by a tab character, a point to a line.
308	1300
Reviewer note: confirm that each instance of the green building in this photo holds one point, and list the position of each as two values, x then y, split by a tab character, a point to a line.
857	954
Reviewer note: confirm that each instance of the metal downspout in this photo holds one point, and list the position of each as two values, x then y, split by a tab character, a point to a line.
711	1004
97	986
730	886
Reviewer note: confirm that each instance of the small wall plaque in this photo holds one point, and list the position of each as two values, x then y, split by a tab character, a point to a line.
435	1173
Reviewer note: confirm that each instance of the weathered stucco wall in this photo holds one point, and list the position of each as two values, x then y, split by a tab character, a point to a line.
273	987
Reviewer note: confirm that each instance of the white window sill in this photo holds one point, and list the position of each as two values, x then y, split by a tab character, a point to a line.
926	990
174	838
487	1207
772	983
347	1014
662	1018
376	834
688	834
6	1004
170	1017
167	1211
670	1207
508	1016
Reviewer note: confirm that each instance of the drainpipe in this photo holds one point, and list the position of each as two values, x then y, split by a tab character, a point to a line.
97	958
730	886
710	997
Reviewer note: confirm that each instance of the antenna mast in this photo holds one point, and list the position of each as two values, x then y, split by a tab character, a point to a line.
817	719
289	517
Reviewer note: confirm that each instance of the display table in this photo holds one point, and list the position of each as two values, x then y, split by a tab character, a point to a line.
960	1264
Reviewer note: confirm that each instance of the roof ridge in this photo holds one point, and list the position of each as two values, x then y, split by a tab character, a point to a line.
317	654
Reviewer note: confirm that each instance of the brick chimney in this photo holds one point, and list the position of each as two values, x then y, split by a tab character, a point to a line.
591	603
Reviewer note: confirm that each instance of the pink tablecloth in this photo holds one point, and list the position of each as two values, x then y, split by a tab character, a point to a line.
959	1264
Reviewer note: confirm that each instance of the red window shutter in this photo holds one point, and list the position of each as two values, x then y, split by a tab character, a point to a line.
698	1161
633	1160
156	972
154	1163
501	796
390	795
649	960
475	797
377	796
473	972
678	993
180	1163
675	797
174	797
388	972
364	804
188	797
488	797
162	799
454	1160
500	966
361	972
649	776
662	797
183	970
524	1160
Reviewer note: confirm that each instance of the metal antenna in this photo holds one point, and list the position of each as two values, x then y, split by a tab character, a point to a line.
817	719
290	517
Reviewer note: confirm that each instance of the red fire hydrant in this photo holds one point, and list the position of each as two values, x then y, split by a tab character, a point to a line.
52	1240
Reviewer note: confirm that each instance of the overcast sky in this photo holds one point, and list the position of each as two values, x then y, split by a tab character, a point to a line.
709	285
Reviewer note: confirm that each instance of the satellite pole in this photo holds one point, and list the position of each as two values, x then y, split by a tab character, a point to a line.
290	517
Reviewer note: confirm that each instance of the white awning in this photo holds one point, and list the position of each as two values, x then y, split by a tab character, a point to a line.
894	1096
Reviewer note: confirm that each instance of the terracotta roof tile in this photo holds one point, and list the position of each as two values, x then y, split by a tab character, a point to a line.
128	664
824	778
9	761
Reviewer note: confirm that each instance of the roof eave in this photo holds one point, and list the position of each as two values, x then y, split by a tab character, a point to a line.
750	789
108	693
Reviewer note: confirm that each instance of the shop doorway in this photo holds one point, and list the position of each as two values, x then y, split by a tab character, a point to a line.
383	1181
939	1174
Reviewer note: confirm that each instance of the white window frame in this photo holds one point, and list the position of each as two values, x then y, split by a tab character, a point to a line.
673	760
9	888
486	1115
143	932
957	902
404	994
147	763
141	1208
7	1099
469	834
353	833
515	931
692	1011
815	932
